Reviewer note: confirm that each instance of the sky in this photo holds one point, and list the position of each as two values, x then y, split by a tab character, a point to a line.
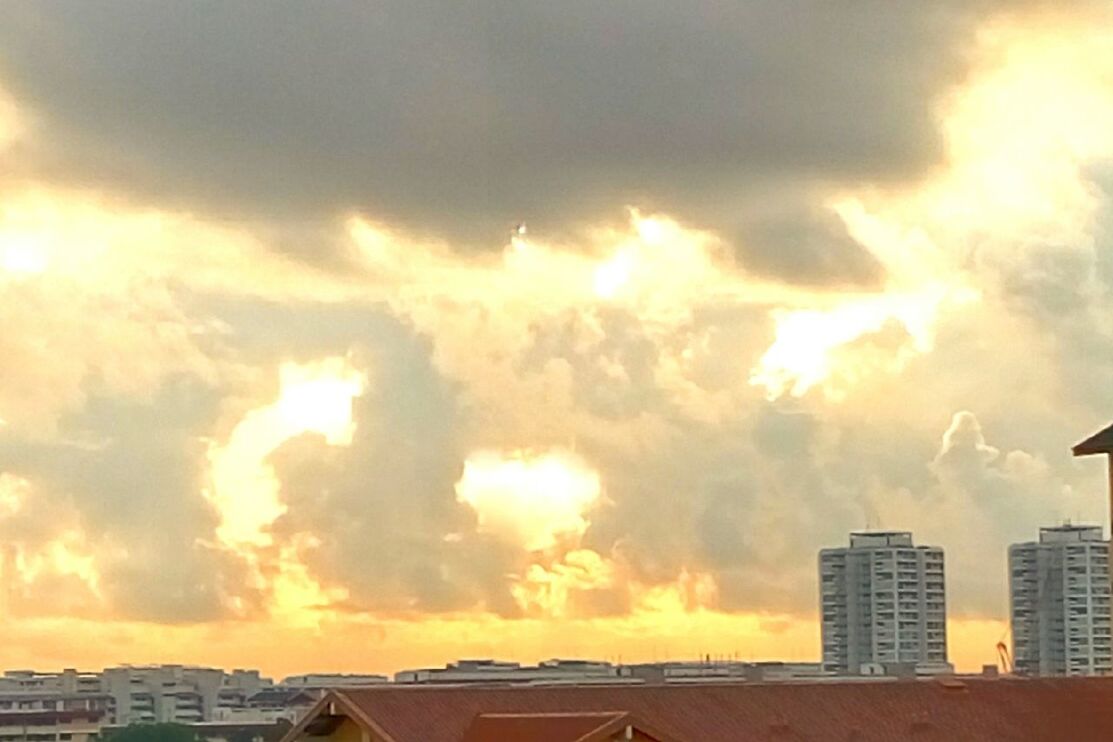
283	384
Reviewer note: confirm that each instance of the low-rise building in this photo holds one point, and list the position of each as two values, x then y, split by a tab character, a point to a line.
280	702
498	671
79	725
119	696
724	671
67	681
320	681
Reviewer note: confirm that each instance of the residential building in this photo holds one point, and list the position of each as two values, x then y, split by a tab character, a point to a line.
1059	603
321	681
938	710
51	700
883	605
80	725
67	681
497	671
276	703
206	698
717	671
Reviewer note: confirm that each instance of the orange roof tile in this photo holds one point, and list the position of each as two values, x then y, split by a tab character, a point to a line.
574	726
1077	709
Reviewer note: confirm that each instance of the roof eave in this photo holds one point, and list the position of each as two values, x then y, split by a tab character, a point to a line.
1099	442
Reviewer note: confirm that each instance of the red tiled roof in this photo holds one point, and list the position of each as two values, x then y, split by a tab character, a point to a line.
1076	709
576	726
1099	442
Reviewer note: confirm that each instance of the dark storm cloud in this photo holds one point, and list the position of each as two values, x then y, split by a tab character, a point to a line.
463	118
809	244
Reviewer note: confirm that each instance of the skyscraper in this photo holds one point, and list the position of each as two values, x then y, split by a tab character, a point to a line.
882	602
1059	603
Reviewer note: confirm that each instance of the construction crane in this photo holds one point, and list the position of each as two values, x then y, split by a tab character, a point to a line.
1003	657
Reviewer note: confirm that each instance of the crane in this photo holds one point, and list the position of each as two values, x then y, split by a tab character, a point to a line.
1003	657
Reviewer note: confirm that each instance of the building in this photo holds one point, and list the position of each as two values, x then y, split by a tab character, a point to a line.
497	671
276	703
80	725
717	671
205	698
935	710
51	700
164	693
68	681
1059	603
883	606
158	693
321	681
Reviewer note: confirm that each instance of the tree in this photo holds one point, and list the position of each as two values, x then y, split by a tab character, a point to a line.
153	733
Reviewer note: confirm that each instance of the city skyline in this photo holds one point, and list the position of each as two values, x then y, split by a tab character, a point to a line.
370	336
880	571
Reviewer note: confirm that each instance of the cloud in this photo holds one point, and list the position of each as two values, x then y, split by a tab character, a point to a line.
314	397
120	488
12	123
964	454
806	245
495	112
531	499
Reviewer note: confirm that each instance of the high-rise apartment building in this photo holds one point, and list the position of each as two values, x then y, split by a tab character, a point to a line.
882	602
1059	603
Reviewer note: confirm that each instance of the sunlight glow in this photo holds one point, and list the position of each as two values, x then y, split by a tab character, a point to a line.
612	275
14	492
67	555
22	255
803	355
549	591
1018	137
532	499
314	397
298	598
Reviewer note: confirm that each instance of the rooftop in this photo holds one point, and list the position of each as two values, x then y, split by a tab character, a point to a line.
1078	709
880	538
1099	442
1069	533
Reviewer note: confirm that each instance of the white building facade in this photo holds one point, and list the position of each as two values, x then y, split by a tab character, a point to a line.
883	604
130	694
1059	603
498	671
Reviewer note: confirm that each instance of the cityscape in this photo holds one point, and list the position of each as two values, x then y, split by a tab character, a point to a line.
883	616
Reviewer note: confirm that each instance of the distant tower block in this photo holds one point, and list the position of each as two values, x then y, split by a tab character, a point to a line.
882	602
1100	442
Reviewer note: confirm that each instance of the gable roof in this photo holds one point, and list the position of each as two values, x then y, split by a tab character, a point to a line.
1079	709
1099	442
